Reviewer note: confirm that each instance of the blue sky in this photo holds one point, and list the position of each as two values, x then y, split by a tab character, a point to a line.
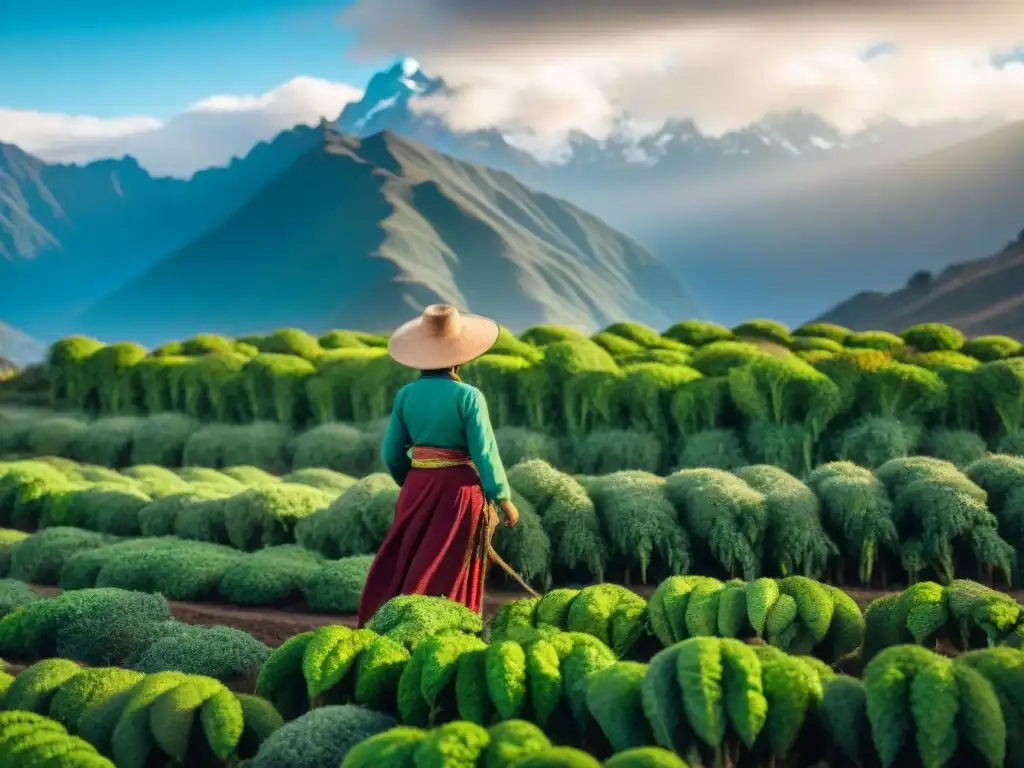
118	57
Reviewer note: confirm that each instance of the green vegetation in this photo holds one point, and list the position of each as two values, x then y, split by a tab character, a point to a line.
759	672
794	614
107	626
746	474
74	559
257	539
705	699
72	716
546	688
31	739
626	398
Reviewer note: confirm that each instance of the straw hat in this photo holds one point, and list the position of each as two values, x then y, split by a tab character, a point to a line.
442	337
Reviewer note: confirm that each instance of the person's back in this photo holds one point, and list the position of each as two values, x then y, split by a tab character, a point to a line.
440	411
432	408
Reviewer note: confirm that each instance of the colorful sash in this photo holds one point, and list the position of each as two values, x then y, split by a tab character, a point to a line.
425	457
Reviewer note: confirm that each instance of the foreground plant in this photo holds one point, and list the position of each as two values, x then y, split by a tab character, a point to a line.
512	743
30	739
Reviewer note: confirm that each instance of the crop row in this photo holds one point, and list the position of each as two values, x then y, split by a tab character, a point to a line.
135	630
194	571
153	718
241	506
722	702
821	401
152	530
619	338
795	614
910	519
422	663
175	440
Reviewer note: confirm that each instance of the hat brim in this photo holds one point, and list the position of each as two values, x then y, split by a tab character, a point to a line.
413	347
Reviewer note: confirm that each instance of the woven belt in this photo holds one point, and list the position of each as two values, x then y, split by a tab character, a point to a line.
425	457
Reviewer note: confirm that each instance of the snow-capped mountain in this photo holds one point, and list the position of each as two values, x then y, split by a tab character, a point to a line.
387	105
387	95
794	138
792	135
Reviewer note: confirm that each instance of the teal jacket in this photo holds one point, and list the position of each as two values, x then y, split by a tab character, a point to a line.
440	412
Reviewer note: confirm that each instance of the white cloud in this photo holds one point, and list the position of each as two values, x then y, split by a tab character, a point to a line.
207	133
546	67
35	131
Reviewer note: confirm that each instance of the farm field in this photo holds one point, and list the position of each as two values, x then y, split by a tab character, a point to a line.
742	537
575	678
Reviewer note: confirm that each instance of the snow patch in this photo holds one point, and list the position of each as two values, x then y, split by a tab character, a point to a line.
821	143
789	147
380	106
410	67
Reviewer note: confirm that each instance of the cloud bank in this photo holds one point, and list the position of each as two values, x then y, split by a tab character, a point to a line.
207	133
547	67
541	69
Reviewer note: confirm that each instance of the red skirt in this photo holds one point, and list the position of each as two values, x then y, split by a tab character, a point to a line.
436	543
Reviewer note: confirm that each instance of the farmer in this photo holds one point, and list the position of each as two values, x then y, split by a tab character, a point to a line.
439	542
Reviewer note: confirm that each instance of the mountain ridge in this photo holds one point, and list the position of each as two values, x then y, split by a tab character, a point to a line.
57	222
376	229
979	297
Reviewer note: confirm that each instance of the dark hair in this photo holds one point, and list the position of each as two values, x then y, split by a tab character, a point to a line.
440	372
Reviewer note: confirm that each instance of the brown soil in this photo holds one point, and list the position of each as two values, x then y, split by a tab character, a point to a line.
275	625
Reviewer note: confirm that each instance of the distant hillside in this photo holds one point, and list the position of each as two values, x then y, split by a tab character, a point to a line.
366	234
790	253
978	297
18	348
70	234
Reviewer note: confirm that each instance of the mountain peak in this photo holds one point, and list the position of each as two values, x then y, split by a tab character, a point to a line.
407	74
388	94
407	66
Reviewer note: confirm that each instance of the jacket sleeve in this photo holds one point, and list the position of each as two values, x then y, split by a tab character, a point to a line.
483	448
395	450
